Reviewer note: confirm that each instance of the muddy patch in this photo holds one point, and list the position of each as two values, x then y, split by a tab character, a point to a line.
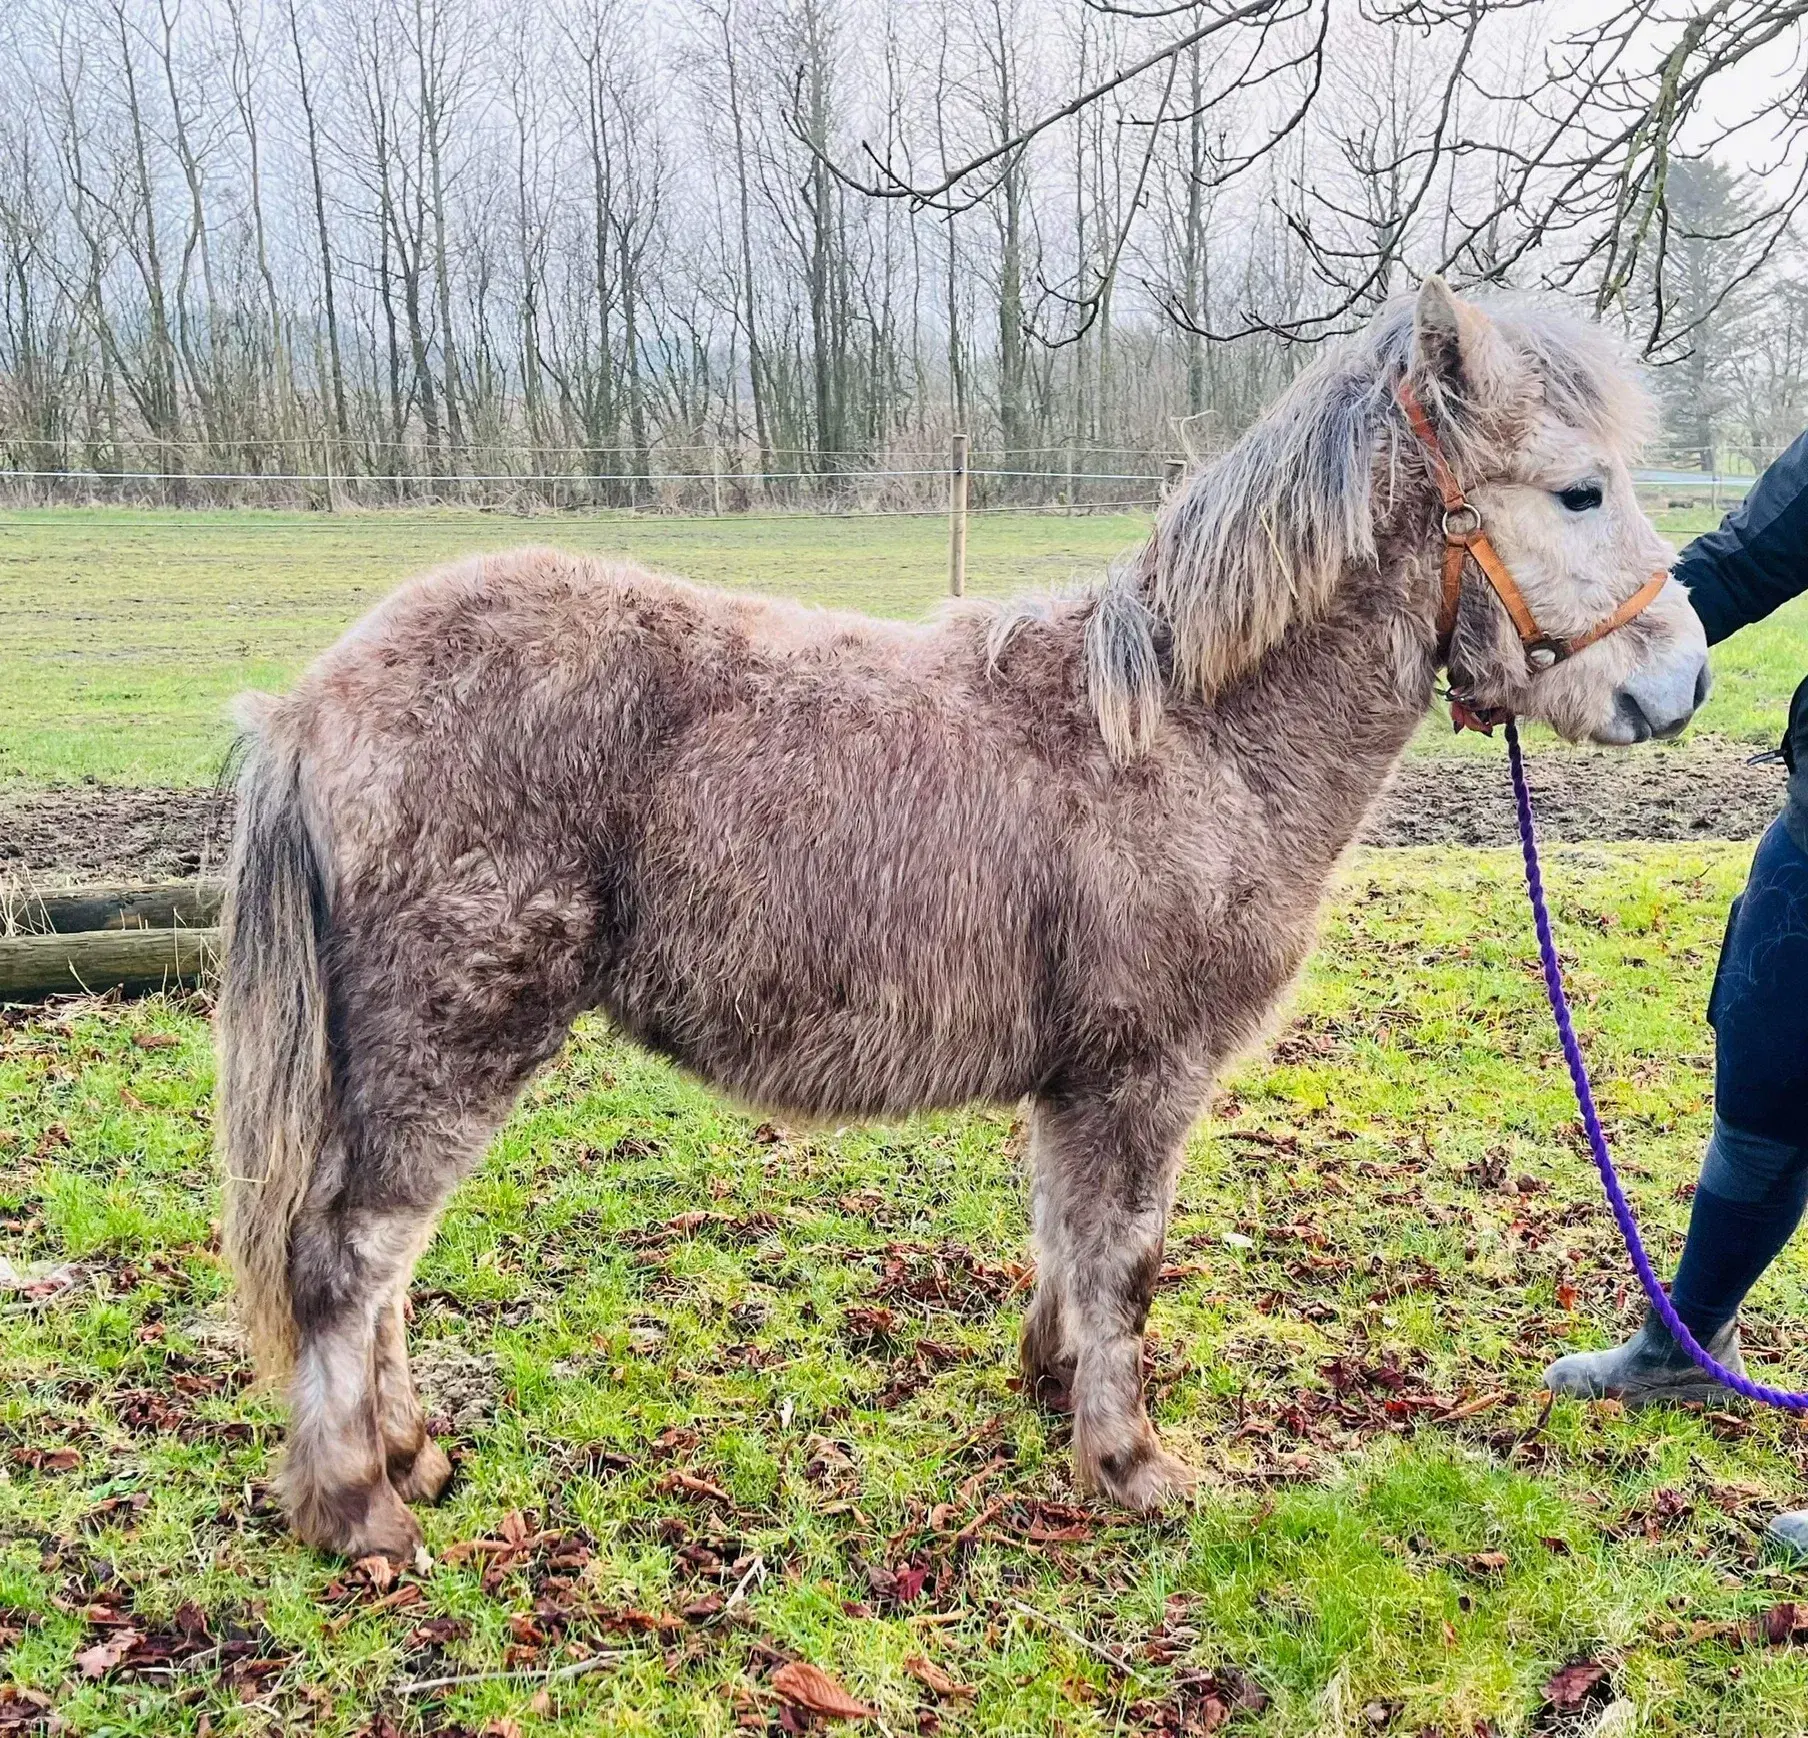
1706	790
107	833
459	1389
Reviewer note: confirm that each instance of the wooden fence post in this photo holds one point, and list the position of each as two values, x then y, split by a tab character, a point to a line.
957	517
326	466
1172	472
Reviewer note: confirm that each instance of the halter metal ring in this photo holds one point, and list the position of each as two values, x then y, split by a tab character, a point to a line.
1545	654
1456	530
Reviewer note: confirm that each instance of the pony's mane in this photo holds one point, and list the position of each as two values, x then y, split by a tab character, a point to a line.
1261	538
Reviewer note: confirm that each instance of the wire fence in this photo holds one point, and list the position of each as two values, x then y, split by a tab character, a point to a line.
712	481
717	480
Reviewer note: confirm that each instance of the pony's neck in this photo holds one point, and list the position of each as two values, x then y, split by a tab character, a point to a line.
1319	723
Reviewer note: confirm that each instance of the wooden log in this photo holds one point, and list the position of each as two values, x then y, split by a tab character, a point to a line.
135	960
170	904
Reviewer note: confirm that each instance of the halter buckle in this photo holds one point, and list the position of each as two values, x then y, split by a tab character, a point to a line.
1455	530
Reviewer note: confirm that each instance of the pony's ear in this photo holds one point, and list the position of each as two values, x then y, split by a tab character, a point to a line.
1437	335
1457	350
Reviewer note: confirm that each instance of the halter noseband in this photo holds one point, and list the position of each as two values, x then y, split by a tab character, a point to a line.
1463	538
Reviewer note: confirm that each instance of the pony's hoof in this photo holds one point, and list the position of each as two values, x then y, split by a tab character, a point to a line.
358	1522
389	1529
425	1478
1147	1479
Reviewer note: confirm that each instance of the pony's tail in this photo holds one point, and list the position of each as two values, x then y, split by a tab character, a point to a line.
275	1079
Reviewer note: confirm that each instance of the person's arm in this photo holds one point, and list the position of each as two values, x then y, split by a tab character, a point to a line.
1758	559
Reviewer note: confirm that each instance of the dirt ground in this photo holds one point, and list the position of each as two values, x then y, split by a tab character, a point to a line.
94	833
101	833
1704	790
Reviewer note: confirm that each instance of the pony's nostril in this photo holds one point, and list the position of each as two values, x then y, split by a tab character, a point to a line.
1704	680
1631	714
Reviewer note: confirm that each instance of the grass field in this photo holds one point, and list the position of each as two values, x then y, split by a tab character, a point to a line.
735	1396
123	633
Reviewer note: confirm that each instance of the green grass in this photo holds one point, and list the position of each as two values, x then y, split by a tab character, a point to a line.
1393	1215
123	634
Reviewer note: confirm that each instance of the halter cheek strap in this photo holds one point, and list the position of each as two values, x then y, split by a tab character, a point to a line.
1464	538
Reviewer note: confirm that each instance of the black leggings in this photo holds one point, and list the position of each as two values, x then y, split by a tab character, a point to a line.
1754	1179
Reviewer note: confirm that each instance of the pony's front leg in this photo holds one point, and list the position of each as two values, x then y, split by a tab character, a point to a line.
1106	1168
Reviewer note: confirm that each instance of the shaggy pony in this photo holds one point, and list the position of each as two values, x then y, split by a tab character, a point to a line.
1070	853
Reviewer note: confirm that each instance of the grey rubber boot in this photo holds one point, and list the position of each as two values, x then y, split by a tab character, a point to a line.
1787	1536
1650	1369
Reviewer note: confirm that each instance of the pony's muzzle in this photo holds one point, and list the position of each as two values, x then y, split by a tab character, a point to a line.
1655	704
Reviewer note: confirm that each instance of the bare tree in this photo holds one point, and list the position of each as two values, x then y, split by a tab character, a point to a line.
322	234
607	250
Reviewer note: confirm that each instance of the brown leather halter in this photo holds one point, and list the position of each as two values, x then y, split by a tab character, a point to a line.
1463	538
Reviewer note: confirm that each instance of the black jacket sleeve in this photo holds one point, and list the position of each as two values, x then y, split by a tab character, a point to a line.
1758	559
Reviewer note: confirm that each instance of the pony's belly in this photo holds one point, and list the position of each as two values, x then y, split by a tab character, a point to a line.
832	1057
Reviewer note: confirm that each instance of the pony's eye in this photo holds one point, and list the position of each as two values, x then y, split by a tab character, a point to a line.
1580	497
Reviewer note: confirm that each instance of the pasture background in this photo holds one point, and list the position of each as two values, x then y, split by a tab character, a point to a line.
124	633
1386	1228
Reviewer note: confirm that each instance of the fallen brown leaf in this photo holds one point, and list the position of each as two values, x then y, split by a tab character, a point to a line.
1782	1623
97	1661
437	1631
1471	1408
933	1678
1571	1686
812	1689
632	1620
23	1709
690	1485
1046	1523
398	1600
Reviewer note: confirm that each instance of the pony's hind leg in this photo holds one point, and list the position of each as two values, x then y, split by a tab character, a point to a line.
432	1042
1108	1165
344	1264
417	1465
420	1102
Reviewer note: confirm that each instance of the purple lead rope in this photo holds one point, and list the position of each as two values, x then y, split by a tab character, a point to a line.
1591	1121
